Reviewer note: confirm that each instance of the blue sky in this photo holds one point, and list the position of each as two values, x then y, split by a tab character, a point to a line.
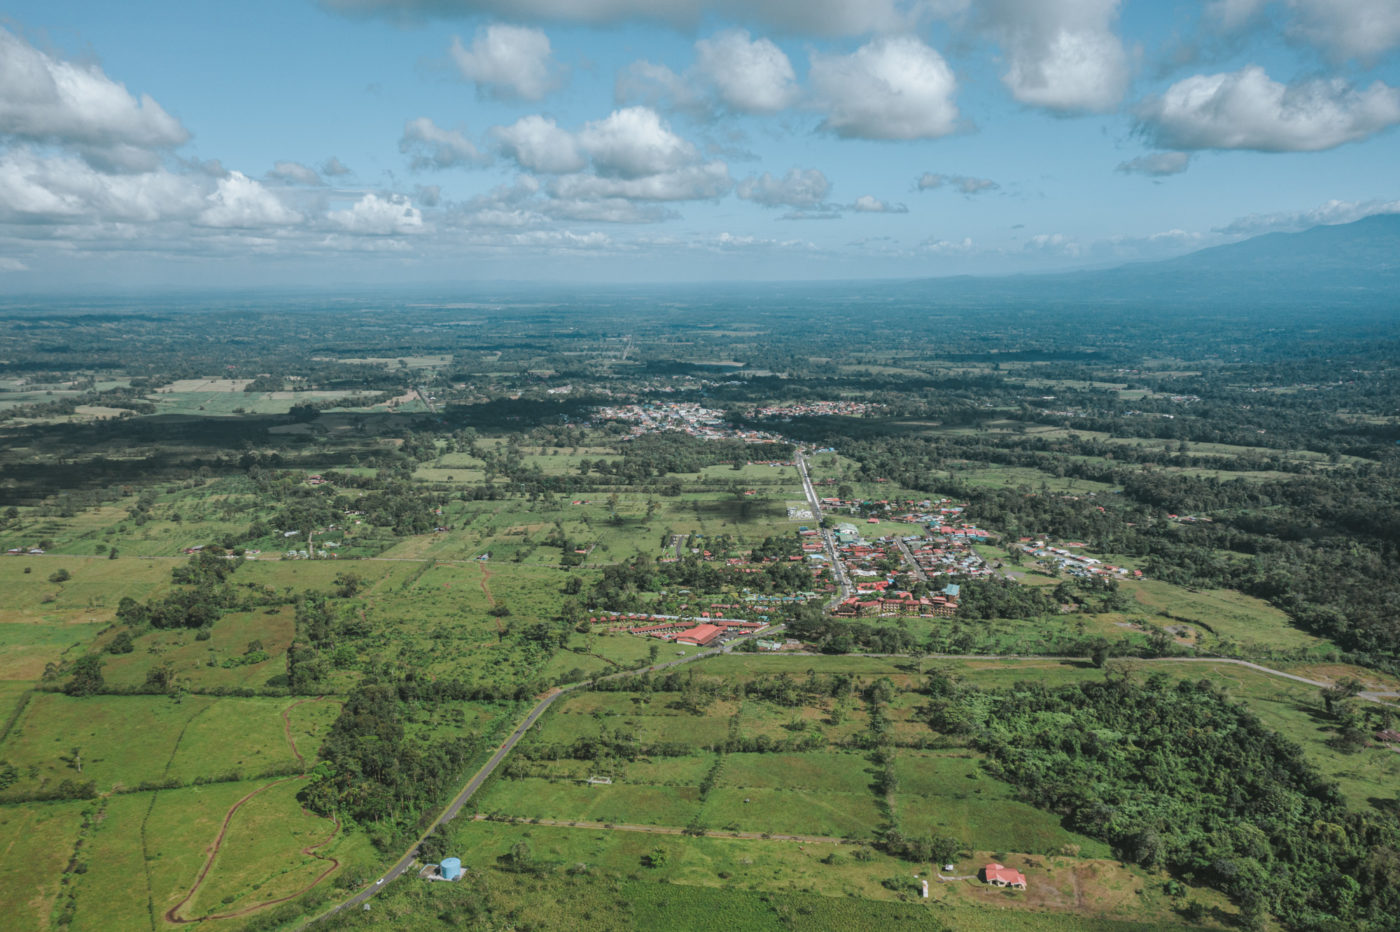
399	141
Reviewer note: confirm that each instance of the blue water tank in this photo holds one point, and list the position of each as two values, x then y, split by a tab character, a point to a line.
450	868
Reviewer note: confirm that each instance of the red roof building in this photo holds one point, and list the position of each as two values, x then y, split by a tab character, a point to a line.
999	876
700	635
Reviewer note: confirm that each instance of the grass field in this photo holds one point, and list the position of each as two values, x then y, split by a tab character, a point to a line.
124	741
597	879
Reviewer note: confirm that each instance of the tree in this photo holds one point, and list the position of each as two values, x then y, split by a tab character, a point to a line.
60	576
87	676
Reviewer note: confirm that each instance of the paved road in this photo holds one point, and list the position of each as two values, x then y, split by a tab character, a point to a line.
453	808
914	566
845	589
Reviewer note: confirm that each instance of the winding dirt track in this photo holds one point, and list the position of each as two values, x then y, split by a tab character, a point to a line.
172	915
491	599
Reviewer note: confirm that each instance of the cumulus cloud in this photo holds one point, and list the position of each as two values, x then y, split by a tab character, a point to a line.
295	173
811	17
434	147
1062	55
966	184
1156	164
889	88
802	188
1332	212
61	188
239	201
695	182
750	75
513	62
1345	29
944	247
633	143
427	195
1053	243
1248	110
869	204
46	100
537	144
373	215
334	167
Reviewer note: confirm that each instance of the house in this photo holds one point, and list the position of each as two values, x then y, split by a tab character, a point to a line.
999	876
700	635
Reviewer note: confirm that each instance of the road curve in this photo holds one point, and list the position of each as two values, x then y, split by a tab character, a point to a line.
475	783
405	862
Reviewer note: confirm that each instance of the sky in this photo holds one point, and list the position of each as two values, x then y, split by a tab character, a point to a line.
390	142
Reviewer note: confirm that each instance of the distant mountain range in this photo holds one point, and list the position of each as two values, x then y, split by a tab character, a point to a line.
1347	264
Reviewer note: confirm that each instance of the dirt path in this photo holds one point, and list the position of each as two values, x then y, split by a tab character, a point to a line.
672	830
173	914
491	599
287	729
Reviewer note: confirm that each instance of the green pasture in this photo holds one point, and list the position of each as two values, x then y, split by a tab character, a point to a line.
113	893
36	843
948	794
124	741
597	879
95	587
569	800
1248	622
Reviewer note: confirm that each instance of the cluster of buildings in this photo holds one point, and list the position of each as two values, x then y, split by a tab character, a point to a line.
683	416
1075	564
818	409
943	550
681	630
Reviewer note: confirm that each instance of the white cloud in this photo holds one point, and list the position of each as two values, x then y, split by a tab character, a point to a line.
508	61
889	88
966	184
373	215
944	247
633	143
1345	29
1362	29
335	167
1247	110
1055	243
750	75
695	182
658	86
295	173
1157	164
46	100
1063	55
61	188
239	201
809	17
8	264
435	147
802	188
537	144
869	204
1332	212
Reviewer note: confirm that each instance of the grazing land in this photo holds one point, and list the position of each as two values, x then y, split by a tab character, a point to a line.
277	587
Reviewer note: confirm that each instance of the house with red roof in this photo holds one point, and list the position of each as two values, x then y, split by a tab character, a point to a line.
999	876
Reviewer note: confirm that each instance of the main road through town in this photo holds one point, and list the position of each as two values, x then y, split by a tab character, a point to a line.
838	569
405	863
